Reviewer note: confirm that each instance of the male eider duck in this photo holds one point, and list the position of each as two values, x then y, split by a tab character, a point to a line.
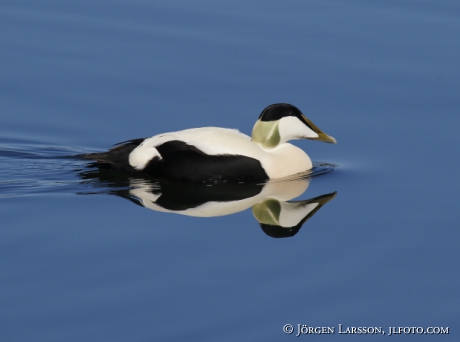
212	154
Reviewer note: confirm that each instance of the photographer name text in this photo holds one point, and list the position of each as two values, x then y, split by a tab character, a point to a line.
303	329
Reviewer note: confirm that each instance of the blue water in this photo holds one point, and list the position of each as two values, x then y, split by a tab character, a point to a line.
79	262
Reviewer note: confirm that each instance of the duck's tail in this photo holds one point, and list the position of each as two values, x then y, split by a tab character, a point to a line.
117	157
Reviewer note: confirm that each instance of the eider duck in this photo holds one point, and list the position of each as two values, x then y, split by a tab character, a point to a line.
212	154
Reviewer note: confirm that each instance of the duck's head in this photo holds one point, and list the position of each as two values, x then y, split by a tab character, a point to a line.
281	122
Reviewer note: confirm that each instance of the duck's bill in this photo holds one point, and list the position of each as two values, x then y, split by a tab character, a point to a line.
321	135
326	138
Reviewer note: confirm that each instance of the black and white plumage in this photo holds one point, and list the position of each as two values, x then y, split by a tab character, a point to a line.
212	154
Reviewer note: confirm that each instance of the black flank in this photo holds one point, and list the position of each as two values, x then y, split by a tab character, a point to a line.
184	162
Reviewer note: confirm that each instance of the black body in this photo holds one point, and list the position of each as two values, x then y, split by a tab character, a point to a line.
183	162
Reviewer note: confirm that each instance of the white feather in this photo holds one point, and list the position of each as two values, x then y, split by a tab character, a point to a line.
139	157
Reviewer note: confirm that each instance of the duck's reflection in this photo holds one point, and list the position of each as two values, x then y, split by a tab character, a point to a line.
284	219
271	203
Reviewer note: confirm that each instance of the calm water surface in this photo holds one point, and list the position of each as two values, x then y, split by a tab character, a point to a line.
81	262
